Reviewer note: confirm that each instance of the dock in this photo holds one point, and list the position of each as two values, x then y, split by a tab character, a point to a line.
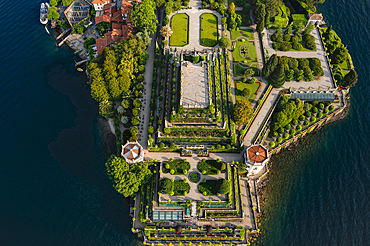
80	62
62	34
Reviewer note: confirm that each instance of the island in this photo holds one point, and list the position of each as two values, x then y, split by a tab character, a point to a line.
199	96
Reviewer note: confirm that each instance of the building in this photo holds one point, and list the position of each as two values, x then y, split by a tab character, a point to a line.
132	152
76	12
256	157
315	19
99	4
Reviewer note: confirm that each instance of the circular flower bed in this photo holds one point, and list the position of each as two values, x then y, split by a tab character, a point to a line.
194	177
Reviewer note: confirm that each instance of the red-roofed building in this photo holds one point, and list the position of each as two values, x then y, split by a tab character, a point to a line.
315	19
102	18
99	4
116	35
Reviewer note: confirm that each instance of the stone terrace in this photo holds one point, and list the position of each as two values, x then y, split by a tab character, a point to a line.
194	86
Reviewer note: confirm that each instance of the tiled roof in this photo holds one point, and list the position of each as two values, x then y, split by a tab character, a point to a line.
257	154
98	1
102	18
315	16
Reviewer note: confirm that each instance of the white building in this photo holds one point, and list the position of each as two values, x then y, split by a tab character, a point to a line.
315	19
99	4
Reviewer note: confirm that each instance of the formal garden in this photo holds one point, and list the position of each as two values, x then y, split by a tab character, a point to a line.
176	167
180	28
209	30
174	187
299	41
247	89
291	117
211	167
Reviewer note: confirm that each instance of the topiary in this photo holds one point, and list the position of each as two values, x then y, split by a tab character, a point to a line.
319	115
299	128
301	117
313	119
331	107
308	114
279	140
287	126
321	106
285	135
292	132
141	69
280	130
294	122
314	110
223	186
306	123
272	144
274	134
326	111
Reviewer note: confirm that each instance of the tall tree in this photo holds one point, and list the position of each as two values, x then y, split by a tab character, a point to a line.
277	78
242	112
270	66
350	79
143	16
98	88
231	9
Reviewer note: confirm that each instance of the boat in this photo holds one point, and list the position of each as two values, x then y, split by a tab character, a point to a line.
44	10
77	51
80	69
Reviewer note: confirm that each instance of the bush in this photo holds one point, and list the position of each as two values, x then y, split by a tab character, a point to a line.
246	92
162	145
294	122
166	21
280	130
314	110
287	126
313	119
285	135
272	144
326	111
88	42
140	78
331	107
319	115
141	69
194	177
137	103
301	117
292	132
136	112
299	128
223	186
287	37
279	140
306	123
308	114
186	3
166	186
297	46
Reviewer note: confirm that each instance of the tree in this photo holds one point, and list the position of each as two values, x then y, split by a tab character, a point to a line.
277	78
124	119
143	16
134	130
231	9
225	42
125	103
160	3
53	3
53	14
98	88
249	72
246	92
289	75
166	186
137	103
340	55
105	107
166	32
270	66
127	178
350	79
242	112
169	7
223	186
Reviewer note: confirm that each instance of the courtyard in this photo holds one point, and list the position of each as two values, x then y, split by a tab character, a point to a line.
194	86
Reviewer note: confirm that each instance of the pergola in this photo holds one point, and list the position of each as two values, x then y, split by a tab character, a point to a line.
132	152
77	12
257	154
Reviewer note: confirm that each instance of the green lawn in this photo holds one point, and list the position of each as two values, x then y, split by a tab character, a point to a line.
252	52
345	65
281	18
248	33
299	19
240	86
239	70
180	28
208	30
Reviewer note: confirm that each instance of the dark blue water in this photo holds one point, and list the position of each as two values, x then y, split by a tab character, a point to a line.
53	186
321	194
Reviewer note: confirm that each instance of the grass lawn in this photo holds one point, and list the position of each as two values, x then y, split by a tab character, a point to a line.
209	186
179	187
180	28
251	49
281	18
211	167
240	87
179	166
239	70
299	19
248	33
345	65
208	30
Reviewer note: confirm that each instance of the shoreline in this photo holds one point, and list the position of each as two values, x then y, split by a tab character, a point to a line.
263	180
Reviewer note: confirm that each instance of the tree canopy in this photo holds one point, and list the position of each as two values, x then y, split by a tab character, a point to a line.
127	178
242	112
143	16
286	111
225	42
350	79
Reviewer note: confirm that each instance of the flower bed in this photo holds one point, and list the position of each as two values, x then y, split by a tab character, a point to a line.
180	188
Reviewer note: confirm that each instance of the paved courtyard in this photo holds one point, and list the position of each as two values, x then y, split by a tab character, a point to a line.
194	86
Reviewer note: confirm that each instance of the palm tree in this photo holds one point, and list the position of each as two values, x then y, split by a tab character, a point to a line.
166	32
105	107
